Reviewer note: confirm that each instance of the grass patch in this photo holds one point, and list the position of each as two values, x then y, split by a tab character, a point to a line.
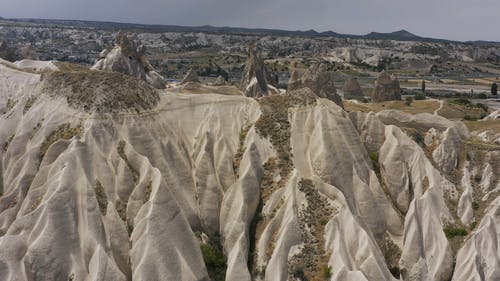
417	106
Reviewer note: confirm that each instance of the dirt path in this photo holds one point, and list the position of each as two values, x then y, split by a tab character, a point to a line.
441	103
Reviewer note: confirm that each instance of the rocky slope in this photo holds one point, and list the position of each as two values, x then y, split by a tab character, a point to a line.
128	58
136	183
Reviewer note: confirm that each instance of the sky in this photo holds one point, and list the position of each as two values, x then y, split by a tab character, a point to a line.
448	19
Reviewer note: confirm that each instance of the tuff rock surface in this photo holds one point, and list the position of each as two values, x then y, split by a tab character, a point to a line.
290	187
191	76
386	88
128	58
220	81
254	78
319	80
352	89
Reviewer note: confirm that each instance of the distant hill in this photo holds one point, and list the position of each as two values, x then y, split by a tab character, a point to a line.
400	35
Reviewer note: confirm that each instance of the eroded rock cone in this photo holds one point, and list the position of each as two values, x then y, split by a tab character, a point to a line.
28	52
7	53
191	76
254	81
221	81
352	89
319	80
129	59
294	82
386	88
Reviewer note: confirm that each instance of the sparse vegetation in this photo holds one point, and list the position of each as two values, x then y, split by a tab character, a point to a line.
311	262
214	259
64	131
100	91
102	199
7	142
453	231
29	103
408	101
241	147
419	97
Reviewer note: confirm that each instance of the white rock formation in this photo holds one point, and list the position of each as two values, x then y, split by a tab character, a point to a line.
254	78
294	187
446	154
129	59
191	76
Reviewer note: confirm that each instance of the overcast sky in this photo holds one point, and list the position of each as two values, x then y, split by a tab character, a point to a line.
449	19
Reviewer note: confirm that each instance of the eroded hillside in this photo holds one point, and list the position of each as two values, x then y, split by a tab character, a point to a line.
199	186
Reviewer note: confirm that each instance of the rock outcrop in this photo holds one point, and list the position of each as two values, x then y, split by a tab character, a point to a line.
294	82
28	52
190	186
254	79
128	58
7	53
220	81
191	76
352	90
386	88
319	80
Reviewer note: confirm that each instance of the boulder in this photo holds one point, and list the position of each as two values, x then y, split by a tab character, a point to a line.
191	76
319	80
352	89
386	88
128	58
254	78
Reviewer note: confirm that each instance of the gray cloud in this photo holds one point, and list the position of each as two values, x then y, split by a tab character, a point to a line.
451	19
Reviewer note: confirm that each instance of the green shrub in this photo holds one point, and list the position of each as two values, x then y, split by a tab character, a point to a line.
451	231
482	106
395	271
215	261
327	272
419	97
475	205
374	156
469	118
461	101
408	101
482	96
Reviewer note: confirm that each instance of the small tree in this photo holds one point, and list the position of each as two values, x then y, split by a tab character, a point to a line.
423	87
408	101
494	88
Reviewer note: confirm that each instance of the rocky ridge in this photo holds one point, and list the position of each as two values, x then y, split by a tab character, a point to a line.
319	80
254	78
291	187
128	58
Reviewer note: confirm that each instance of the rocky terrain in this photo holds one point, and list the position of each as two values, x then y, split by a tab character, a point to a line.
213	52
105	175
